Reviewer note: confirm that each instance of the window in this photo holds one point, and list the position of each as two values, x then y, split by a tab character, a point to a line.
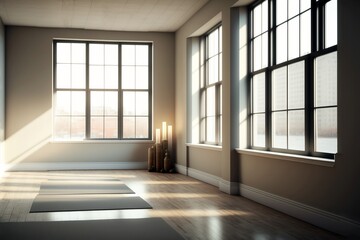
293	76
102	90
210	87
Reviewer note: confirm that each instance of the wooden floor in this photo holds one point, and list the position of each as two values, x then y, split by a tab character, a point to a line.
193	208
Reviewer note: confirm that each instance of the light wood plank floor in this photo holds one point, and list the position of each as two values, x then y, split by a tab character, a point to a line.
193	208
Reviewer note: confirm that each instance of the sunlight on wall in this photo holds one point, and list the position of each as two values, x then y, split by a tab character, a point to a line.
243	81
195	87
27	140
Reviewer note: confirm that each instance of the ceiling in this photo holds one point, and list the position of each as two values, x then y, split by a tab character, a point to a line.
118	15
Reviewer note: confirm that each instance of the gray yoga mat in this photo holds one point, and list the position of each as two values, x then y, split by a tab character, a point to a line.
87	202
83	187
130	229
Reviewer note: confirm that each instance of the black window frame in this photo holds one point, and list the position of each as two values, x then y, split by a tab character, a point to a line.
204	86
317	11
119	90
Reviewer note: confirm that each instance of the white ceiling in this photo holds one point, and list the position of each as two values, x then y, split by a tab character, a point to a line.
118	15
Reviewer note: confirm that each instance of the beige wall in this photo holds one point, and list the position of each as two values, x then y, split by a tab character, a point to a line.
29	96
220	167
333	189
2	93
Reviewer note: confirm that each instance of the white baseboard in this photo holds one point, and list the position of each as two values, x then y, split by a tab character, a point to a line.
180	169
315	216
223	185
53	166
203	176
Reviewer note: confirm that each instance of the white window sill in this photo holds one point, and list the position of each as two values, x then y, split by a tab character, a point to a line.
289	157
205	146
102	141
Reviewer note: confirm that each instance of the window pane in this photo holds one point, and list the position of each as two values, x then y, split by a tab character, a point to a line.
63	52
96	54
296	88
142	103
297	130
264	16
97	127
111	54
97	103
281	43
257	20
111	103
259	93
142	127
142	55
128	77
210	101
281	11
220	39
326	130
78	103
220	100
213	70
293	8
257	53
294	46
202	130
62	103
142	77
213	41
305	33
78	76
279	89
258	130
264	39
129	127
220	129
62	128
78	52
111	77
96	76
63	75
326	80
202	103
111	127
279	130
304	5
331	23
128	55
78	128
129	103
220	67
210	129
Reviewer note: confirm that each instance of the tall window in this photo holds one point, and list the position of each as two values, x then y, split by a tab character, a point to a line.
210	87
102	90
293	76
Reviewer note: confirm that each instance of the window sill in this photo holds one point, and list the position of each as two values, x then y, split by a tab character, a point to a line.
289	157
102	141
205	146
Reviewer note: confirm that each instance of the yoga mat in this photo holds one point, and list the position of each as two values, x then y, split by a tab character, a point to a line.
130	229
76	187
87	202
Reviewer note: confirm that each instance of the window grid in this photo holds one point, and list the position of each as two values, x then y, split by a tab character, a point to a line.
109	107
318	47
211	87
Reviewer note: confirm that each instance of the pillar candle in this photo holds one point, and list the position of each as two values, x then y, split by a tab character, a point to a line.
170	138
158	135
164	135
